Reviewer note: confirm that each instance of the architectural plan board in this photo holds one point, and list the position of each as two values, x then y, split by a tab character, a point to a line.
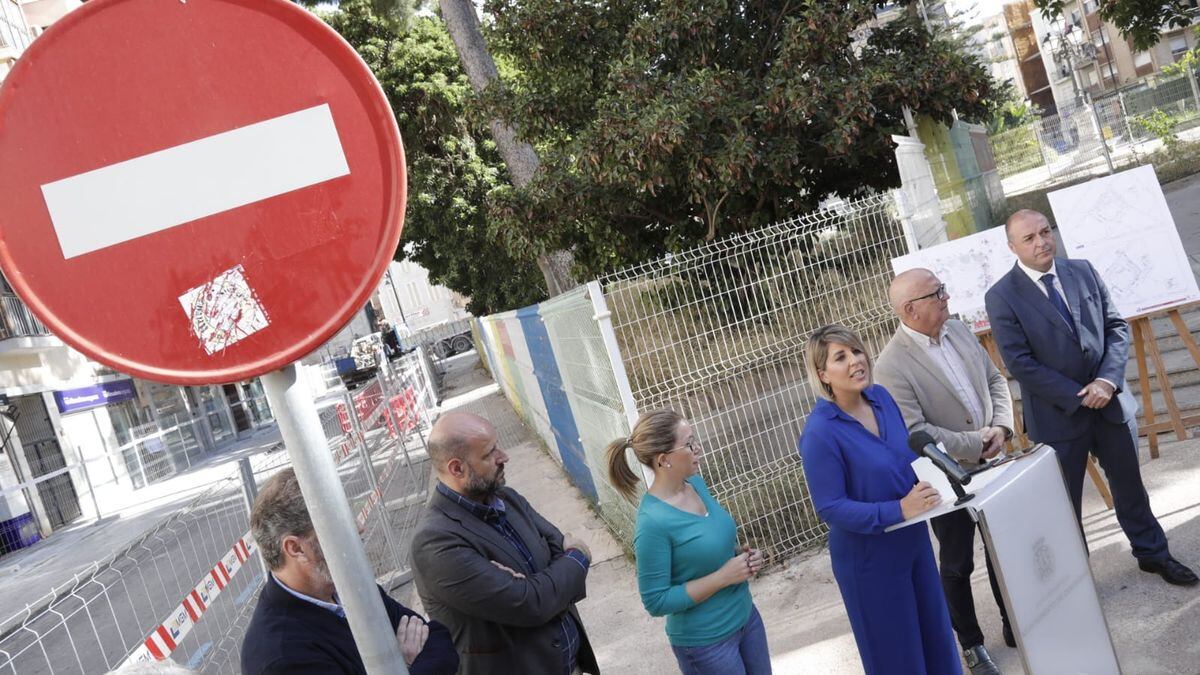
1121	224
968	266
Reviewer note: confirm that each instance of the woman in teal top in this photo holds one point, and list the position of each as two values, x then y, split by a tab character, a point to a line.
690	568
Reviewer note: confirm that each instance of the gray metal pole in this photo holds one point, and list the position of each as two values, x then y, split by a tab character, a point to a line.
249	494
1100	134
317	474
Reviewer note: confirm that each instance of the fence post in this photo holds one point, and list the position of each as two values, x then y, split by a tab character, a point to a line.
907	214
1191	75
91	488
1095	117
373	482
249	494
608	336
1125	116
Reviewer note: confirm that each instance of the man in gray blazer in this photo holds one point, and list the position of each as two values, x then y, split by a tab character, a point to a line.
487	565
946	385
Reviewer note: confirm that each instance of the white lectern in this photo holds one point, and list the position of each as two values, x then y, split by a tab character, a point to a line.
1040	558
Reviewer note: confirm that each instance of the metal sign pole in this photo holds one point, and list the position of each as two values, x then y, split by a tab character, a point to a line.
317	474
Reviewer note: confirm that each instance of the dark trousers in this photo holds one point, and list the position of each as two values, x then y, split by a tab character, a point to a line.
1115	447
956	557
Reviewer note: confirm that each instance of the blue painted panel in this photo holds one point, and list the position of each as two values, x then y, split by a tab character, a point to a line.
558	409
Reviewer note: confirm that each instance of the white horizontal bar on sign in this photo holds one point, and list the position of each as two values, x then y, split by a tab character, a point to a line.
167	188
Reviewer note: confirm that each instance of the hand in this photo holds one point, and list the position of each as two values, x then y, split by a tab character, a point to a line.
993	441
516	574
1096	395
736	569
571	541
754	559
411	634
920	499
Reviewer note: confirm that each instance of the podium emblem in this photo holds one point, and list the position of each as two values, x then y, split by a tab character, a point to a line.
1043	559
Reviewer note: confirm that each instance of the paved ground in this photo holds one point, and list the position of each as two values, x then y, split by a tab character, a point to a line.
1154	626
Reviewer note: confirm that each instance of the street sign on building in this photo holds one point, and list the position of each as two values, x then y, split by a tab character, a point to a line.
196	192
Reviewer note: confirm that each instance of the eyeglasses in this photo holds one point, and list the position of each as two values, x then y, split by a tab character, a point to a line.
690	445
940	294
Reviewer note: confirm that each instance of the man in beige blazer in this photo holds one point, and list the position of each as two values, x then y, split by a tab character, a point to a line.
946	385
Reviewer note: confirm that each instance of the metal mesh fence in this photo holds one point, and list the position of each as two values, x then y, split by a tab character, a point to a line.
157	589
591	389
717	333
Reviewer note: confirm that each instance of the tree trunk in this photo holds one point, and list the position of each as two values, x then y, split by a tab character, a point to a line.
520	157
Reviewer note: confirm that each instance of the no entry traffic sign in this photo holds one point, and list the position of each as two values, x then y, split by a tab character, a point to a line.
199	191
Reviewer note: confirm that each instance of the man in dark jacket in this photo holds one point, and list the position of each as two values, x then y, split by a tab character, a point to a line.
299	626
499	575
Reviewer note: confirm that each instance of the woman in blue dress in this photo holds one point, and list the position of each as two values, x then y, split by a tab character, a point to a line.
858	467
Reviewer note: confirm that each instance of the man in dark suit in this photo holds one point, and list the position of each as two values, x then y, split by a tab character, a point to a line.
299	627
490	567
946	385
1064	342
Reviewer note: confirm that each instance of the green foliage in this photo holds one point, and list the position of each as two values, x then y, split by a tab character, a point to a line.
1142	21
1007	110
662	124
453	166
1161	125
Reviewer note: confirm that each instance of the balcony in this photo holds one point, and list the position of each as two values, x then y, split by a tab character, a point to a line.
16	321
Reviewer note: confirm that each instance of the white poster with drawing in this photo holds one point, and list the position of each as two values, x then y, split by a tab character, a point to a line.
968	266
1121	224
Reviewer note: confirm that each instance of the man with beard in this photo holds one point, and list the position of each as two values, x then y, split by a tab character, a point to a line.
299	626
490	567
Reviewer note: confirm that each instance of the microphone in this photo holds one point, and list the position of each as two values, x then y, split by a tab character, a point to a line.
923	445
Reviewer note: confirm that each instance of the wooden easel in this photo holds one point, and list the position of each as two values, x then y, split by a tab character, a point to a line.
1020	439
1143	339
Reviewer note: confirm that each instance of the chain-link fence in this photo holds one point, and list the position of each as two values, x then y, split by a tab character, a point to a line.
186	588
718	333
1117	128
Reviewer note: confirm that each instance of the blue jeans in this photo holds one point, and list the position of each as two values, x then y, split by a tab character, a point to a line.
743	653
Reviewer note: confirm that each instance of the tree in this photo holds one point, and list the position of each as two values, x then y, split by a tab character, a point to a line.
665	123
519	156
453	165
1142	21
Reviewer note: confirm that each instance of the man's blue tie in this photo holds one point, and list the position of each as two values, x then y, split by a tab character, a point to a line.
1057	300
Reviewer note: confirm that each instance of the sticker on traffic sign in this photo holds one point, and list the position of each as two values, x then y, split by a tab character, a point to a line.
199	202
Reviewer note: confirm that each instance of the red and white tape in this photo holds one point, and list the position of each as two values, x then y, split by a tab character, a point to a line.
164	639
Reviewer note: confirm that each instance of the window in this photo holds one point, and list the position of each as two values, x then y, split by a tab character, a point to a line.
1089	6
1179	46
1141	59
1090	77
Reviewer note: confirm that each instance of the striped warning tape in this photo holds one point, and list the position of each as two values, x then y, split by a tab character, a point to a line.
164	639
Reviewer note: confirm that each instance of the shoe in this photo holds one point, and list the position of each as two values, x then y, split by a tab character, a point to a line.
1171	570
980	662
1009	638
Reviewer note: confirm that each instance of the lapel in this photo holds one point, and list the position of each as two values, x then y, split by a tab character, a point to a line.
1028	290
480	531
917	353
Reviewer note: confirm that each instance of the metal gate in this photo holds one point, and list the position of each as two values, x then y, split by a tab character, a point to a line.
60	502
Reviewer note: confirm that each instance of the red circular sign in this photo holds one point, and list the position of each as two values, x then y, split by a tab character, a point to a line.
196	192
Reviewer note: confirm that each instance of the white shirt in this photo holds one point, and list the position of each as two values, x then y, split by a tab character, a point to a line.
334	607
1037	281
951	362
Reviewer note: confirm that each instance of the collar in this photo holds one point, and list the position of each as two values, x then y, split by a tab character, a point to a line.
829	409
922	339
334	607
488	513
1035	275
